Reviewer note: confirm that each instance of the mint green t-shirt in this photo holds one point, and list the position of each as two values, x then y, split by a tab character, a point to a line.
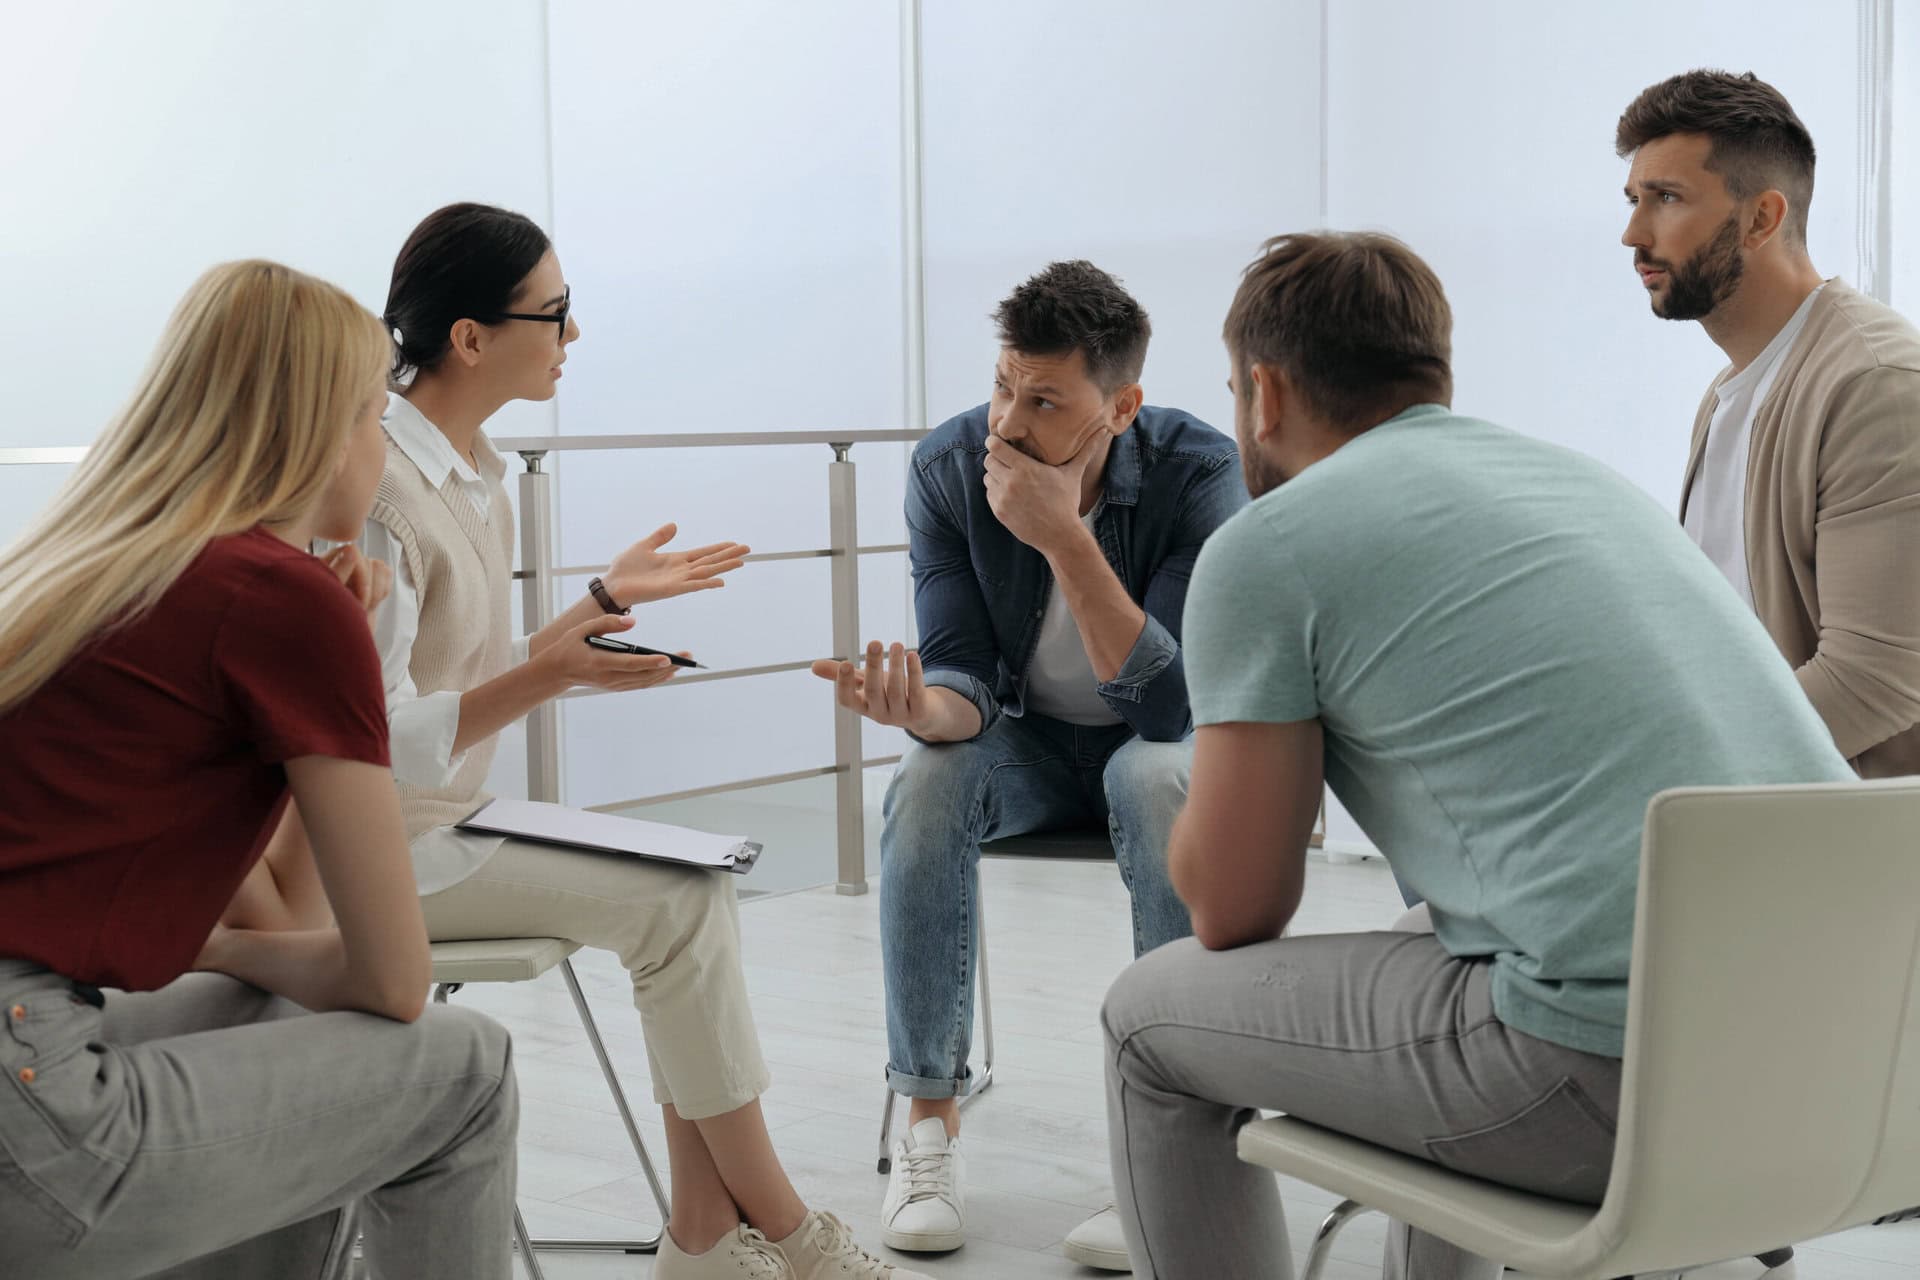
1511	650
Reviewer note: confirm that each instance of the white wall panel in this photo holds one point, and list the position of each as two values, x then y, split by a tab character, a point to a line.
1906	159
1162	142
1482	134
143	143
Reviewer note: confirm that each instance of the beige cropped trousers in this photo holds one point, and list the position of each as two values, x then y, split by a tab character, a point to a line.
675	929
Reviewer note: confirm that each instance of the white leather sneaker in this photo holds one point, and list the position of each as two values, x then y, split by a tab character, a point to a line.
741	1254
1099	1242
823	1248
925	1209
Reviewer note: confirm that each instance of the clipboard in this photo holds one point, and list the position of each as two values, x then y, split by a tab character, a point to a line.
556	824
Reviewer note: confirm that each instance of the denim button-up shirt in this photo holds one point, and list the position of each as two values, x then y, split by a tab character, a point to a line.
979	592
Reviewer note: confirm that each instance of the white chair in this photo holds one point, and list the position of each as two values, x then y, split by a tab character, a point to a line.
521	960
1088	845
1771	1089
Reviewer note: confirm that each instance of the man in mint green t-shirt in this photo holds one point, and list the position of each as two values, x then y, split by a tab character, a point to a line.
1496	651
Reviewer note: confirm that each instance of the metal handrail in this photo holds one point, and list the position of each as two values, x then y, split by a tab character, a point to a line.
17	457
538	575
758	557
699	440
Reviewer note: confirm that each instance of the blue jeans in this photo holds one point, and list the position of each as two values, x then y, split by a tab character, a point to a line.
1024	774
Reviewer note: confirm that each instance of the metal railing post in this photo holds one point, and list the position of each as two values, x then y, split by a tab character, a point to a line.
536	599
849	795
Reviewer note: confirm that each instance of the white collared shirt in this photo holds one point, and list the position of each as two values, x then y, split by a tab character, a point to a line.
422	726
1717	507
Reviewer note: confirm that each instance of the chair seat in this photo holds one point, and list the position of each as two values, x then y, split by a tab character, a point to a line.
1089	845
1531	1233
498	959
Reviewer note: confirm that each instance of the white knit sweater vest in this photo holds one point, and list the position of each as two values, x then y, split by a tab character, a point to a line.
462	569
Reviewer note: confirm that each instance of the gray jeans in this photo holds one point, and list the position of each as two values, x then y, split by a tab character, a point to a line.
211	1130
1380	1035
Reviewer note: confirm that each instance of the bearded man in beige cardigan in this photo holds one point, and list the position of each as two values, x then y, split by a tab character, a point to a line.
1803	481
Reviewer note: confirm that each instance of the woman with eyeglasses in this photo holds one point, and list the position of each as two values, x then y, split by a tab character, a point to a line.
480	314
175	671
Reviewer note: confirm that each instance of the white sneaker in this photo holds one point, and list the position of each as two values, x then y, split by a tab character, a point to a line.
823	1247
1099	1242
925	1211
741	1254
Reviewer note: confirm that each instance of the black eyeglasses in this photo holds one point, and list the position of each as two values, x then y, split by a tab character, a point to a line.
545	317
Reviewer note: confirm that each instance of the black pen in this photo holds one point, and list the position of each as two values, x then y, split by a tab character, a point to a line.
621	646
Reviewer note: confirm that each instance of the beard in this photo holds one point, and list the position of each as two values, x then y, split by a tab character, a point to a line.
1700	284
1262	477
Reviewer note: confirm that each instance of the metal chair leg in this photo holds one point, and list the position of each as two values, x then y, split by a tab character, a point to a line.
526	1246
885	1163
1322	1247
649	1244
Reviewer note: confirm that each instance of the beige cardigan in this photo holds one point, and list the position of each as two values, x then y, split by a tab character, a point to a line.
1833	522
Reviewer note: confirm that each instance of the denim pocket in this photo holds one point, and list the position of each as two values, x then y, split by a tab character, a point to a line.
1560	1144
64	1132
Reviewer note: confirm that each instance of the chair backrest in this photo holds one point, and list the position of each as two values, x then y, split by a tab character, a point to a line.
1772	1075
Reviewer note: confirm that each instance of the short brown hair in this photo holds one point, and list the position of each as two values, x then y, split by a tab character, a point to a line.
1757	142
1075	306
1355	319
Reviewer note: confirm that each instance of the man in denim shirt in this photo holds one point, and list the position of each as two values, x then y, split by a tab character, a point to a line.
1052	533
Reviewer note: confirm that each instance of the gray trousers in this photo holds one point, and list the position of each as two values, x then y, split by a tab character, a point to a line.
209	1130
1380	1035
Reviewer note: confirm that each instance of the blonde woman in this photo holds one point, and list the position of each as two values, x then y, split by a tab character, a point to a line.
483	316
174	666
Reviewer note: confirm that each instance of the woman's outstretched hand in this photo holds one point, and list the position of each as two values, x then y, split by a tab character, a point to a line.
644	573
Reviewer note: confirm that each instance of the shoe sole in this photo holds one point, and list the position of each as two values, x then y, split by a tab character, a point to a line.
923	1241
1103	1259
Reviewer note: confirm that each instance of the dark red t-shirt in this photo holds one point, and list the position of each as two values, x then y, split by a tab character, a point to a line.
139	785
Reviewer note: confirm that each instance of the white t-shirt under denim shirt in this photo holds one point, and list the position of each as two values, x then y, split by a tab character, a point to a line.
1716	509
1060	679
422	727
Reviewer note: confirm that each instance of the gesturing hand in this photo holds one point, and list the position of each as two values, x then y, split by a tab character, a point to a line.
643	572
1039	504
572	660
369	580
895	694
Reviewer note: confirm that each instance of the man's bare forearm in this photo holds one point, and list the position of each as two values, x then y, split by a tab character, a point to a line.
951	717
1110	622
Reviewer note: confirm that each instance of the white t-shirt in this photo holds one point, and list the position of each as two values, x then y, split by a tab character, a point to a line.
1717	508
1060	680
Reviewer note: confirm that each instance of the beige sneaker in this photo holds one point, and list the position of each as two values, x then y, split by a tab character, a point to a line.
741	1254
824	1247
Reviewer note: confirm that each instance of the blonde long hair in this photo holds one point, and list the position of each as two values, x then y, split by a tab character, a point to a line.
240	419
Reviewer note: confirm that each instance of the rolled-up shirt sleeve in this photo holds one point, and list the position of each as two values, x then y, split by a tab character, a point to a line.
1149	691
957	646
421	727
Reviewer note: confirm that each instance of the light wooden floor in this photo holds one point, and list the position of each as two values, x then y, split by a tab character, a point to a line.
1036	1141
